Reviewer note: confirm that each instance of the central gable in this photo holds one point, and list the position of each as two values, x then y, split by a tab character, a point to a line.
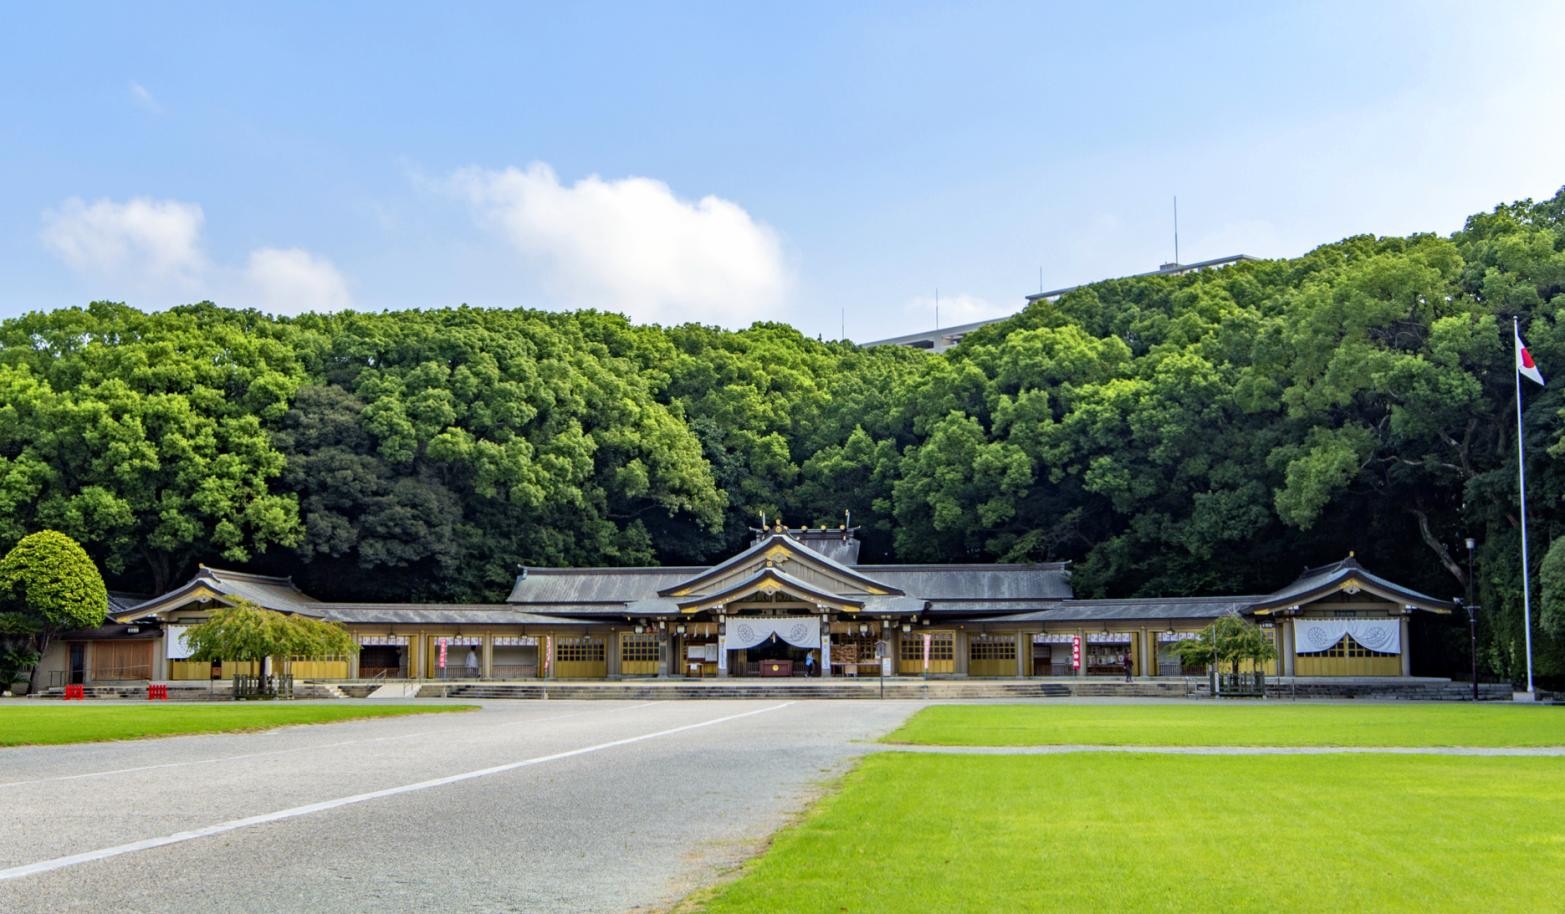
805	566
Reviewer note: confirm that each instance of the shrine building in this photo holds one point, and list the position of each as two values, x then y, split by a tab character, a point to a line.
797	602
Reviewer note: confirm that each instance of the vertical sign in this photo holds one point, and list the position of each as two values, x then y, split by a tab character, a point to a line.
442	653
927	637
1076	652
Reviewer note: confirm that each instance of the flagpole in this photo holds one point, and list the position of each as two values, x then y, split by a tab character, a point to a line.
1521	485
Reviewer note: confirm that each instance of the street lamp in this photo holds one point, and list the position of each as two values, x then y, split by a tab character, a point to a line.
1472	615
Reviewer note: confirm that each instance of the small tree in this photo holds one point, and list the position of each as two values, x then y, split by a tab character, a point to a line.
48	585
245	631
1228	640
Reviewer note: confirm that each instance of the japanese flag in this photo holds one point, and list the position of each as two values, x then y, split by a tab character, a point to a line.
1524	363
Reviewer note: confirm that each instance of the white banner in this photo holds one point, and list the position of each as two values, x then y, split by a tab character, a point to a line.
174	642
383	640
1110	638
1311	636
515	640
1177	636
1053	638
799	631
462	640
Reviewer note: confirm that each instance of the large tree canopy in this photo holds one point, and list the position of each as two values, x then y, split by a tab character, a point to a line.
1209	432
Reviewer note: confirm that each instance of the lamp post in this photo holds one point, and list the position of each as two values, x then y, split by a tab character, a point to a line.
1472	616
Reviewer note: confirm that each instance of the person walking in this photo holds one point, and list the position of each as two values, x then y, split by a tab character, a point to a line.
1127	667
809	665
471	663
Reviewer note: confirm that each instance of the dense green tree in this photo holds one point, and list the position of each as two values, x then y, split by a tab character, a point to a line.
1167	434
48	585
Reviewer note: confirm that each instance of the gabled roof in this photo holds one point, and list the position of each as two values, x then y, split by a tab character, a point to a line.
797	551
1347	574
218	584
769	578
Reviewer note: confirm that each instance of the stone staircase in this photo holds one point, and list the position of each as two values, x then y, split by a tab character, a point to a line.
949	690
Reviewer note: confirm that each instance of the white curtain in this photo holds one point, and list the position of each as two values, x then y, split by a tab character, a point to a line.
174	641
1314	635
799	631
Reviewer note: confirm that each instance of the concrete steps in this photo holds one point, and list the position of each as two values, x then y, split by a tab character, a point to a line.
731	689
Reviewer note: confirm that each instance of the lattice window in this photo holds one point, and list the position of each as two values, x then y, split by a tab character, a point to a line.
1347	647
991	648
942	646
579	650
635	648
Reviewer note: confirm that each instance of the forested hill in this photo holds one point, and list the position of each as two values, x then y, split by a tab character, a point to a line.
1204	433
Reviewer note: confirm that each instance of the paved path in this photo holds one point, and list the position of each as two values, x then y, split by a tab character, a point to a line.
524	806
1231	750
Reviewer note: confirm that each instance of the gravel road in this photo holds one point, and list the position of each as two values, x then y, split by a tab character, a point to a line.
523	806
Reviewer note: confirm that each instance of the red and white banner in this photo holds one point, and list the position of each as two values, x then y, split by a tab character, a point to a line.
927	638
442	653
1524	363
1076	652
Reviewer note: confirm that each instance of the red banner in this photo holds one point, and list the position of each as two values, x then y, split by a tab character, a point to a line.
442	653
1076	652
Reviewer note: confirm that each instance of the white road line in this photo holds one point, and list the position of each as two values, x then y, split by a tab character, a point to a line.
44	866
351	742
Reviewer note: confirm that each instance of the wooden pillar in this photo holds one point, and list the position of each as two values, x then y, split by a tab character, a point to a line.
1144	661
665	654
486	656
1288	650
353	665
1407	654
960	647
611	654
1023	655
416	658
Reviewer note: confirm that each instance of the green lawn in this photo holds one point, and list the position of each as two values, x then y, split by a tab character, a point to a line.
1110	832
1235	725
23	725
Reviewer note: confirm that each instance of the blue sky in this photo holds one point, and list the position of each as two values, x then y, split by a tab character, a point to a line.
727	163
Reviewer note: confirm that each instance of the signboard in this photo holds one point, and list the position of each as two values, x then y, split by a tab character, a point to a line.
1076	652
442	653
927	638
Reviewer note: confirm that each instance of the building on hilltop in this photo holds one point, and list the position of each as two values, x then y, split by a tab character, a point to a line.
795	602
942	338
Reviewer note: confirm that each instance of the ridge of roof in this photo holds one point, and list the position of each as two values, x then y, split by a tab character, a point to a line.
209	571
787	542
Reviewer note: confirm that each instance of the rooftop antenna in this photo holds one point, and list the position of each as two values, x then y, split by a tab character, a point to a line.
1176	230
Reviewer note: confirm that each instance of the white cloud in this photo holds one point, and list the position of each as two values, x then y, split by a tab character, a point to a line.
158	239
144	99
631	245
954	310
292	281
150	251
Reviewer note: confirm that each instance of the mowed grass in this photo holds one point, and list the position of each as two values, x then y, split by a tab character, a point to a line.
1148	833
34	725
1235	725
